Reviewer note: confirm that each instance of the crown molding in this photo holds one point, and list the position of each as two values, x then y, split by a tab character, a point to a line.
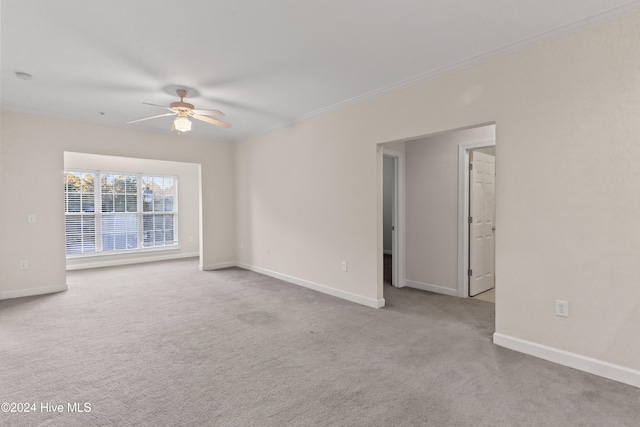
523	44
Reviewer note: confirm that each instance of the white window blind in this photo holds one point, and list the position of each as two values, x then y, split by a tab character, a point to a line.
158	204
123	212
79	205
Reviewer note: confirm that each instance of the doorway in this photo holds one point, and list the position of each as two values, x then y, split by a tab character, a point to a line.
482	212
392	192
388	217
431	210
476	220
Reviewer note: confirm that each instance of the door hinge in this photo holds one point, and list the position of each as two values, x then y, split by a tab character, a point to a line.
470	166
470	220
469	272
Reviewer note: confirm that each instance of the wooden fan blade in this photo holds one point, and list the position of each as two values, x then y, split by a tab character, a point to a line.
156	105
210	120
152	117
209	112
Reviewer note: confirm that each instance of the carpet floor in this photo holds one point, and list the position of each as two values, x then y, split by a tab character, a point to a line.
163	344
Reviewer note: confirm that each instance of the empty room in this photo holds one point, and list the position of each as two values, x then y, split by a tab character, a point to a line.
320	213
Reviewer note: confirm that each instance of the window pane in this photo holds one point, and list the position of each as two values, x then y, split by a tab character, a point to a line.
158	230
119	232
88	204
147	229
120	223
88	233
132	202
147	206
119	203
158	201
108	242
132	241
107	183
72	182
88	183
73	230
132	185
169	193
158	189
147	194
168	222
168	203
158	184
73	202
107	203
169	227
118	184
79	234
121	242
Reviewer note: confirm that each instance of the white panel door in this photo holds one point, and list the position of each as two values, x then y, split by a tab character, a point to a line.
481	225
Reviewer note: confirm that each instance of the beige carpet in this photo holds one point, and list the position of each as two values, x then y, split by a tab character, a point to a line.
164	344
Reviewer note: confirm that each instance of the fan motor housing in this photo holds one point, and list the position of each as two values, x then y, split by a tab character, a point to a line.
182	105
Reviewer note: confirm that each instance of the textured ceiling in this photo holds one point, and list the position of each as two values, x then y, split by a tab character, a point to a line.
264	63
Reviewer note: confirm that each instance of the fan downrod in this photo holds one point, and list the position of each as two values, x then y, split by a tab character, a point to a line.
181	105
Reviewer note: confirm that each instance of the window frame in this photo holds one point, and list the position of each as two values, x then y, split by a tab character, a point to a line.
98	214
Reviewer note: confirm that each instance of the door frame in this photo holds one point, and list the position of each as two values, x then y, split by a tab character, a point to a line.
398	243
463	211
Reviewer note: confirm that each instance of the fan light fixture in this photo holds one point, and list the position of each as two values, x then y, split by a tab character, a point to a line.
184	110
182	124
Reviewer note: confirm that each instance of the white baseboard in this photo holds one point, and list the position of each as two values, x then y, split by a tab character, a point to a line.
217	266
109	261
369	302
431	288
572	360
18	293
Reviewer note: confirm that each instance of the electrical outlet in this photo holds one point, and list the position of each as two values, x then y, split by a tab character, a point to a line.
31	219
344	266
24	264
562	308
268	250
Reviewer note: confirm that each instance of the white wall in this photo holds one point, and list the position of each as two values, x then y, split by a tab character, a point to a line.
33	155
567	189
432	206
188	226
387	204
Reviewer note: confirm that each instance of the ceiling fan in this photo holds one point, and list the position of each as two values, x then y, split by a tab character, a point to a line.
184	110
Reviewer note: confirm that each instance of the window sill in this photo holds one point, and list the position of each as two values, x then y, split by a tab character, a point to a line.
125	258
133	252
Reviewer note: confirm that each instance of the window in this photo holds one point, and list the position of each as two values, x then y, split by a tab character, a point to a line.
118	212
158	199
